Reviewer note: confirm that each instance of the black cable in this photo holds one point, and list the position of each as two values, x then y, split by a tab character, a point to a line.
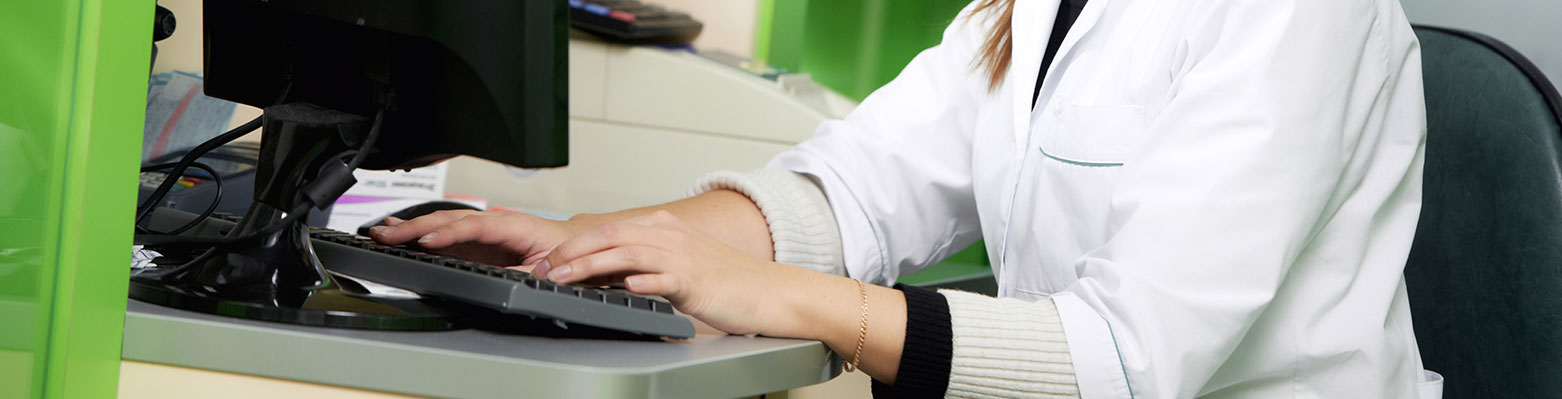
374	134
200	150
184	164
210	209
166	239
293	215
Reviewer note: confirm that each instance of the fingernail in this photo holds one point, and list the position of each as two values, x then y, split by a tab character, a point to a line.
633	282
428	238
560	273
381	230
542	268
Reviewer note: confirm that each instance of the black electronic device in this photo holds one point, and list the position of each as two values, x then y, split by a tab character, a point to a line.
163	24
346	84
486	78
415	211
633	22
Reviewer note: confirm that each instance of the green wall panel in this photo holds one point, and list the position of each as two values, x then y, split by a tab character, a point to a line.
851	46
74	74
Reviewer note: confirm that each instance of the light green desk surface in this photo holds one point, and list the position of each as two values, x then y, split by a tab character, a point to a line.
476	363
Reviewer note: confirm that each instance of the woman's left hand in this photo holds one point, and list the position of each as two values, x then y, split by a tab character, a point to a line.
737	293
659	254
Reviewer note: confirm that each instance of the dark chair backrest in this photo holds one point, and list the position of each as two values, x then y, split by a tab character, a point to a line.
1485	273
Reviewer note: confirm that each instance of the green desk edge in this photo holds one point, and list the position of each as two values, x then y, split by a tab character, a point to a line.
74	73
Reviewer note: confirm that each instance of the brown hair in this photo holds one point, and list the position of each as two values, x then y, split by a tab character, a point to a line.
996	50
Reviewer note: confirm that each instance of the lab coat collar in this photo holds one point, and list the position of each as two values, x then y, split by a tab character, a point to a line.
1032	22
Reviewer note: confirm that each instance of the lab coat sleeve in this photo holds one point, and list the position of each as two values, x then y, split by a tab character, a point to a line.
1275	110
897	170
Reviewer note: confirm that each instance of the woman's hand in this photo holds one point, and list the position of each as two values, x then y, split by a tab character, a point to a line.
658	254
497	237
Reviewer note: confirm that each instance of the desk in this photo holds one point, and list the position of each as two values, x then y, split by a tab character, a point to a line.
475	363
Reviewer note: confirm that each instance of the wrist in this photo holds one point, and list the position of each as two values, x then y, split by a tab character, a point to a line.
584	219
583	222
829	309
822	307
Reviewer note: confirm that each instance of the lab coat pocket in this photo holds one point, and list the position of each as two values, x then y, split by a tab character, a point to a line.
1093	135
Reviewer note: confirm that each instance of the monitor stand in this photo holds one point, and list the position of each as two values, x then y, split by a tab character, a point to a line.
279	278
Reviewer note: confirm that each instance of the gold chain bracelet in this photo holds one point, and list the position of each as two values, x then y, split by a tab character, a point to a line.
862	333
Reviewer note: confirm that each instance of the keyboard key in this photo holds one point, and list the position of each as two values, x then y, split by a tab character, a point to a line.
566	290
640	303
662	307
616	299
516	275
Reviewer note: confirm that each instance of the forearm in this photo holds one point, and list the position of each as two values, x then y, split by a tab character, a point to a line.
828	308
1008	344
727	215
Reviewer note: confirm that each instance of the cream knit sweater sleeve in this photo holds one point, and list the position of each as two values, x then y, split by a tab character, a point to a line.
802	226
1007	348
1002	348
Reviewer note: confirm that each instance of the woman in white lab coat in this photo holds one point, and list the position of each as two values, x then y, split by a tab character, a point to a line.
1180	198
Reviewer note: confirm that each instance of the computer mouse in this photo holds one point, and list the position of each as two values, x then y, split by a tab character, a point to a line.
415	211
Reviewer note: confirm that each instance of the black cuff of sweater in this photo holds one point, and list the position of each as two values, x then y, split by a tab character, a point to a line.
924	360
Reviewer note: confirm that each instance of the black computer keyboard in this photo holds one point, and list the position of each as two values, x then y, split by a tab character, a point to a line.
631	21
505	290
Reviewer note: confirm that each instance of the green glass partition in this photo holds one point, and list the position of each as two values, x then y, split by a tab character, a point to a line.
74	77
851	46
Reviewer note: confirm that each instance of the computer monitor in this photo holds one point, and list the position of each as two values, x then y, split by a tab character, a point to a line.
486	78
386	84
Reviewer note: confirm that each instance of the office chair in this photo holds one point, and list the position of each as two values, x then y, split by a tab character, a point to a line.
1485	272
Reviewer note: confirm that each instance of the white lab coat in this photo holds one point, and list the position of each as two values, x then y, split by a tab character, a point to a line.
1218	195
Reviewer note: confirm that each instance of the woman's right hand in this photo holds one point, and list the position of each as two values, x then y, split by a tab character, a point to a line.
496	237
